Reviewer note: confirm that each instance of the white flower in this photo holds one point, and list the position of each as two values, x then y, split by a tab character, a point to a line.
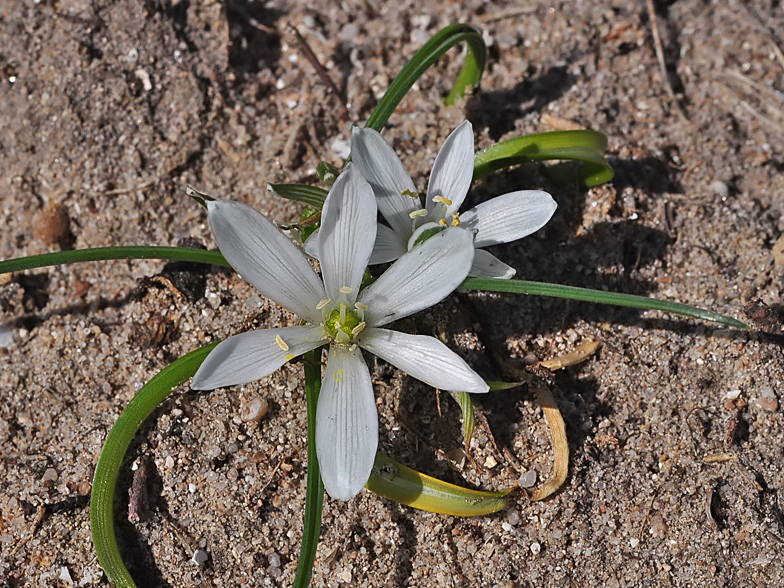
337	312
503	219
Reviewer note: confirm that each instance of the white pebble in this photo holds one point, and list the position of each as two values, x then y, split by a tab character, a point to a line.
65	576
254	410
6	336
527	479
199	557
720	189
274	560
536	548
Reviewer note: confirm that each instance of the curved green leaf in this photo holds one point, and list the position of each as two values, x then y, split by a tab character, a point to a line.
400	483
598	296
304	193
108	253
585	146
440	43
108	468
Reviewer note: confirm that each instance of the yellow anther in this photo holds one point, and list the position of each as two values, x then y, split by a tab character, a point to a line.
418	213
281	343
408	192
358	329
361	306
289	356
323	303
442	200
346	290
455	219
442	222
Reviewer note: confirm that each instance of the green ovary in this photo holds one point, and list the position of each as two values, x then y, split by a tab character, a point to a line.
333	324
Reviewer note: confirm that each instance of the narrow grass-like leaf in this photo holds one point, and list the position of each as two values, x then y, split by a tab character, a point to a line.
107	253
113	452
201	197
304	193
598	296
440	43
469	418
495	386
314	494
402	484
585	146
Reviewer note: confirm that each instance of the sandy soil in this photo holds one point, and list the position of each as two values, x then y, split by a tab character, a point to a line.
110	108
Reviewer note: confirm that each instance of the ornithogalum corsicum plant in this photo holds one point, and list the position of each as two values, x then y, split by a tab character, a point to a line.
337	312
435	248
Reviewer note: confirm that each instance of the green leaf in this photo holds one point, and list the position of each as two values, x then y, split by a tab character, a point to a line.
200	197
327	172
310	195
598	296
108	468
402	484
440	43
107	253
469	418
314	493
587	147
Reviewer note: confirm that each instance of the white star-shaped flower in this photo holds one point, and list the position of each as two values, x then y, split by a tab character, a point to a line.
503	219
338	313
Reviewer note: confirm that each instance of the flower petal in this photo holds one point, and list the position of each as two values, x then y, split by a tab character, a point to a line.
425	358
419	279
266	258
311	245
389	245
382	168
346	424
249	356
509	217
347	233
487	265
453	169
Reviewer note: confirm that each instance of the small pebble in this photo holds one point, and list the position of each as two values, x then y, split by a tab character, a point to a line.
527	479
52	225
778	251
720	189
536	548
50	476
254	410
65	576
490	462
274	560
767	400
6	336
199	557
513	516
658	525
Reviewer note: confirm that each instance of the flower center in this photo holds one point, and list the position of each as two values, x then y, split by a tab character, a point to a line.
343	325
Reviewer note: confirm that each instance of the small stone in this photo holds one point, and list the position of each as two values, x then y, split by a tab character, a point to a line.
536	548
49	478
254	410
6	336
344	576
65	576
527	479
634	542
720	189
490	462
84	488
199	557
52	225
778	251
767	400
513	516
274	560
658	525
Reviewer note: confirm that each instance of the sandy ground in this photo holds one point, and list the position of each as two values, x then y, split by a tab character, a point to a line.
110	108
